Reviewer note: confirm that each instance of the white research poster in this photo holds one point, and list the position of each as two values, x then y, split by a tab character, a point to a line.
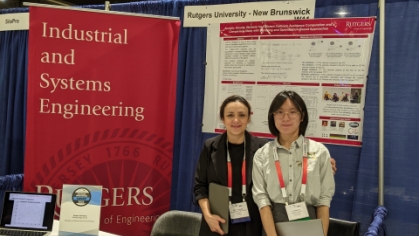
324	60
202	16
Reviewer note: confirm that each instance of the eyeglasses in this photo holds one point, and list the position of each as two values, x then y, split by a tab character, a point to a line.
281	114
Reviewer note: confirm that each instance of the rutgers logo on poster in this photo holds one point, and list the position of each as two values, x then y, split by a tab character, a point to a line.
100	110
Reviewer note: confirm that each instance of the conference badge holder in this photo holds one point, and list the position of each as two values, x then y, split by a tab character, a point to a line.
297	211
239	213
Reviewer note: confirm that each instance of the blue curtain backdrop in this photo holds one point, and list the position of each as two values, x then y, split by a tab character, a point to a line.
13	77
356	193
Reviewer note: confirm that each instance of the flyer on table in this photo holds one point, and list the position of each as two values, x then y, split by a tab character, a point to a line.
80	209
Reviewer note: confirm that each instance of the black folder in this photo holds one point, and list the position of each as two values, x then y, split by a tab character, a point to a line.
218	201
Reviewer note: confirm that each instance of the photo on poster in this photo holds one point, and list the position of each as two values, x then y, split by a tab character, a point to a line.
336	94
356	95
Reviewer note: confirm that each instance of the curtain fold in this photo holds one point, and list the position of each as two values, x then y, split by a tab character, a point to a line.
13	78
401	127
349	158
13	182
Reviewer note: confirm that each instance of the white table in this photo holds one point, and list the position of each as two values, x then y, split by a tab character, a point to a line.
56	226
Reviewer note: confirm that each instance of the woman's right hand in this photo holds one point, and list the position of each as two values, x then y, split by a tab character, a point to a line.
213	222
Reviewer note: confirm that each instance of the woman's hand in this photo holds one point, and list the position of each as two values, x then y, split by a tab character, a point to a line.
333	162
213	222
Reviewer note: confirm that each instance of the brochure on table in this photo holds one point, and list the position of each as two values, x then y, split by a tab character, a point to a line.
80	210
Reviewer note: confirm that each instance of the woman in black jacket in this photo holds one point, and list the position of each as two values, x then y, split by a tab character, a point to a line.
212	168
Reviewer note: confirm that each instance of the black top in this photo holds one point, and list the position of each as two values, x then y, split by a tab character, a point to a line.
236	154
212	168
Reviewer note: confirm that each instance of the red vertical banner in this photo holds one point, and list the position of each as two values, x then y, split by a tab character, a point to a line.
100	110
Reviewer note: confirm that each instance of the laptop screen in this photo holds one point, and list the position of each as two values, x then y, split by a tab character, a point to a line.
31	211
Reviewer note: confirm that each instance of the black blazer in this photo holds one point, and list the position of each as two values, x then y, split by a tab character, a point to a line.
212	168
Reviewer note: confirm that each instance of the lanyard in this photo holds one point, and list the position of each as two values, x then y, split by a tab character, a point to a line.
230	174
281	179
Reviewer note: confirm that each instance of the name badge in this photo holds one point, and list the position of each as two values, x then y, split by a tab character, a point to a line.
239	213
297	211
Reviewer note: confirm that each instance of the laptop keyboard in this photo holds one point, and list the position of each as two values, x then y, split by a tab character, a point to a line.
20	232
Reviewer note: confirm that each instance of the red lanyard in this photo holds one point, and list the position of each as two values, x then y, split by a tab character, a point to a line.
230	174
281	179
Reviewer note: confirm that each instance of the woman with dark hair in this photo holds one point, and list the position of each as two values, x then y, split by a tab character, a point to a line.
291	171
235	148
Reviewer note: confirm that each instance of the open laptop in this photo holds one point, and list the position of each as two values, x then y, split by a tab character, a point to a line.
300	228
27	213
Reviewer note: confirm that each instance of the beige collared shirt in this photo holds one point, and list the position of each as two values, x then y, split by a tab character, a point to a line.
320	180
